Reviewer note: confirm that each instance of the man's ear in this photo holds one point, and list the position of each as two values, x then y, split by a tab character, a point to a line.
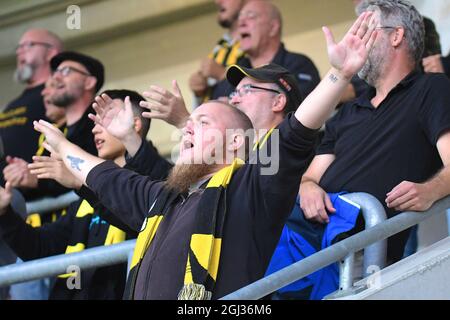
90	83
279	103
275	28
138	125
51	52
397	37
235	141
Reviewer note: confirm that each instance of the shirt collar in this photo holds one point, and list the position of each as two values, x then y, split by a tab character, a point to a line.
364	99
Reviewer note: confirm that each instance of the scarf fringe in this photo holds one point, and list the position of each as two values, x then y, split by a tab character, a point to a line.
194	291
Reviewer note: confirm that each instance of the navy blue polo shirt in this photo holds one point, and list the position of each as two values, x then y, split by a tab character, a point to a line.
378	148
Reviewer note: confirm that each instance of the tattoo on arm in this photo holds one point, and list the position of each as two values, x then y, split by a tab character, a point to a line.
333	78
75	162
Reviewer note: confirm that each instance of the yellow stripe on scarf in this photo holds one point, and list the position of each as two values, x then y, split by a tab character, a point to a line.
223	177
145	238
207	251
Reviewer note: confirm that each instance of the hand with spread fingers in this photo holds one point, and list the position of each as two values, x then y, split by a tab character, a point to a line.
166	105
5	197
115	115
51	168
349	55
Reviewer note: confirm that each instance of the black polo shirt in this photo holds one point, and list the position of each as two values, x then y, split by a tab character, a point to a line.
16	124
378	148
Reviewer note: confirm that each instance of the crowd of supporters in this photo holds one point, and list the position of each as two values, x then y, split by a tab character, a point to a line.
220	216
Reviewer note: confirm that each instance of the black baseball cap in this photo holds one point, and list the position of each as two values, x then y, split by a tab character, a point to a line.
94	67
270	73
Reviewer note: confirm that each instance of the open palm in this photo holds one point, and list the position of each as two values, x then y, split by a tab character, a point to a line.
115	115
350	54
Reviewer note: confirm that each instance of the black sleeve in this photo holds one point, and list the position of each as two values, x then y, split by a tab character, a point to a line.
148	162
125	193
273	191
328	142
33	243
88	195
434	114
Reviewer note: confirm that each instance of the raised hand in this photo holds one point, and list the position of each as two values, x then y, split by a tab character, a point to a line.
433	64
349	55
198	83
212	69
5	197
166	105
53	136
51	168
115	115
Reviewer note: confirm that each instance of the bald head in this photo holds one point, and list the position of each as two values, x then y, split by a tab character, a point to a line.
45	36
33	54
267	8
232	117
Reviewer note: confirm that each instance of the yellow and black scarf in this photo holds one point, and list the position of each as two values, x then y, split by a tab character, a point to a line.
206	240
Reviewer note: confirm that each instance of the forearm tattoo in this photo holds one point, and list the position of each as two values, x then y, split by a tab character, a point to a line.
333	78
75	162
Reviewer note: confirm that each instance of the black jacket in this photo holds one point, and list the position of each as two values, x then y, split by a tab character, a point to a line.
257	207
52	239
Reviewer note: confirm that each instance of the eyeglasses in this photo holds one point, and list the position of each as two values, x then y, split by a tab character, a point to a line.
30	44
65	71
385	27
248	88
251	15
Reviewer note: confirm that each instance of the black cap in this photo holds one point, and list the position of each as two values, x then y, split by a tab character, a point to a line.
270	73
94	67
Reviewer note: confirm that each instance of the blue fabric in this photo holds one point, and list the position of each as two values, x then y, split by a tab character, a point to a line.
293	247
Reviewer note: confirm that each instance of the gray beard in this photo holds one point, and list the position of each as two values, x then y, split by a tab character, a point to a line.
370	72
23	74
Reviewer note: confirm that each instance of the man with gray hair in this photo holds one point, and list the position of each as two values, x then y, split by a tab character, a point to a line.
33	54
392	142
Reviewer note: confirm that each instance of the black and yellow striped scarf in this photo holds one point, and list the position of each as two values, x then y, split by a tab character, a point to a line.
80	232
206	240
225	53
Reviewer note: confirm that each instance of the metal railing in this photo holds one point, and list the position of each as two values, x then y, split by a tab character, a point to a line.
323	258
375	254
49	204
107	255
52	266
